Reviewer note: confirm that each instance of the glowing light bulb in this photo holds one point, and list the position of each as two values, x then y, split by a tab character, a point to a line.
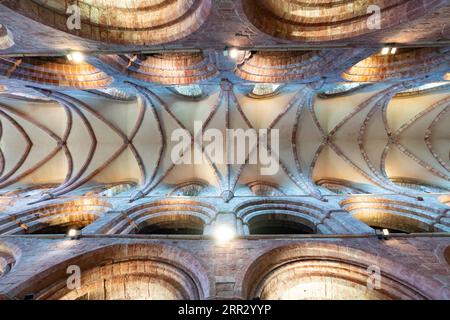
73	234
385	51
76	57
224	233
393	50
234	53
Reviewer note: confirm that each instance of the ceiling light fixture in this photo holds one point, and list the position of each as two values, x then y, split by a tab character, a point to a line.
76	57
233	53
73	234
385	51
383	234
224	233
388	50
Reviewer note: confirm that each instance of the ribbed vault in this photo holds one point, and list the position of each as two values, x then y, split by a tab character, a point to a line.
219	149
354	141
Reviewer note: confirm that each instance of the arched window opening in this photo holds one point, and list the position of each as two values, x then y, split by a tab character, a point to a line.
46	70
169	216
114	93
341	89
391	221
424	89
265	189
56	218
117	189
339	186
280	224
397	215
417	185
109	190
380	229
193	91
172	225
379	67
189	189
265	90
62	228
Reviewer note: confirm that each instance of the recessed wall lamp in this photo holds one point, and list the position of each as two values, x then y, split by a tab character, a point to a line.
385	51
233	53
383	234
76	57
238	56
388	50
73	234
223	233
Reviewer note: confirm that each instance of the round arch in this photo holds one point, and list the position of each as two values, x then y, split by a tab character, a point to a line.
163	214
323	270
130	22
396	214
54	217
328	20
123	271
313	217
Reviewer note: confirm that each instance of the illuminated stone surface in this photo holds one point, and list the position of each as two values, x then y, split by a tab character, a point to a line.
85	147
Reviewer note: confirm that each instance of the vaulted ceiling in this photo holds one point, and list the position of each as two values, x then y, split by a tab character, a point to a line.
369	136
347	112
